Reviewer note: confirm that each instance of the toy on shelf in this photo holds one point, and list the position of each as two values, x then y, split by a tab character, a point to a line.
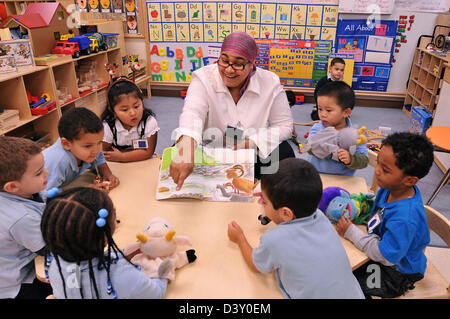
68	48
87	75
101	39
42	105
63	94
84	43
158	244
8	118
337	202
330	140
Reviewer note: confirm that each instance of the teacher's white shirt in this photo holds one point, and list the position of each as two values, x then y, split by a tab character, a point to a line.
263	110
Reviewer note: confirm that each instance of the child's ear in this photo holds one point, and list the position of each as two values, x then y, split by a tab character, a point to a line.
410	180
12	187
286	214
347	112
66	143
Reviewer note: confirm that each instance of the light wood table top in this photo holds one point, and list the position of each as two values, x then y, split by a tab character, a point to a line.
220	270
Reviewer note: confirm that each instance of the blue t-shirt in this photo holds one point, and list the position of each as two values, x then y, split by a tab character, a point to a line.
308	258
403	231
62	165
328	165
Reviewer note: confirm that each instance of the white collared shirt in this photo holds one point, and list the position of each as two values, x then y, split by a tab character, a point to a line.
263	110
125	137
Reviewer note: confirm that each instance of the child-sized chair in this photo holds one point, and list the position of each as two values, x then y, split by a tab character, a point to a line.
433	285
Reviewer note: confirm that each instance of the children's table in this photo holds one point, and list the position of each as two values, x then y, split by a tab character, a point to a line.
440	137
220	270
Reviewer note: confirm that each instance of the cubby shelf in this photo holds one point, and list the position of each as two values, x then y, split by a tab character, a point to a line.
46	79
424	80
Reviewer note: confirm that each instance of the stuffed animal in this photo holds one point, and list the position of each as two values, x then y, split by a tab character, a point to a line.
337	201
330	140
156	244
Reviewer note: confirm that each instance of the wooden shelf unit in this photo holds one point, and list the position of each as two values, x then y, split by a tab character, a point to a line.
44	79
424	80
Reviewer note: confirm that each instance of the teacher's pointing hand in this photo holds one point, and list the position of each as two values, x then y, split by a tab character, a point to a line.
183	164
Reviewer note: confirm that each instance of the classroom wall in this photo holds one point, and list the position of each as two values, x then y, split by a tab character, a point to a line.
424	23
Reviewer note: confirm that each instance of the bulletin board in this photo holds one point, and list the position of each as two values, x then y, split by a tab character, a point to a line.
186	35
299	63
372	47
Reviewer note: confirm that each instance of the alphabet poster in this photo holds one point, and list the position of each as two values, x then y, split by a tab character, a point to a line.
372	47
197	28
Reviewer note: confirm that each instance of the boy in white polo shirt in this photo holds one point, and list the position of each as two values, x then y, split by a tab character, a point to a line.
23	179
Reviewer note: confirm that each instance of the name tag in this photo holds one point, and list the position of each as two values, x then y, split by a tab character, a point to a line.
140	144
375	220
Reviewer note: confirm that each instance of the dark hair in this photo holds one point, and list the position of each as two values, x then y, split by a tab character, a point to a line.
296	185
78	120
14	155
291	97
337	60
122	85
69	230
413	153
344	94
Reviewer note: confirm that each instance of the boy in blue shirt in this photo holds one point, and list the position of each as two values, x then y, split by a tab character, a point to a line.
336	101
78	148
304	249
23	179
398	229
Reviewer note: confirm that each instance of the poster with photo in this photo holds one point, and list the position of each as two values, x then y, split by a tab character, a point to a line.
94	6
105	6
117	6
131	14
372	47
82	5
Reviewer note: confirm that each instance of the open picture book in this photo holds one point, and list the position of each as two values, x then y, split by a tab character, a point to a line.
219	175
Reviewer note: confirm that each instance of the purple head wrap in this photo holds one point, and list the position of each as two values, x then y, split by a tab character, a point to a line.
244	45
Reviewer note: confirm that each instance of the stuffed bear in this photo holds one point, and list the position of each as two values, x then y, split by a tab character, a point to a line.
157	244
330	140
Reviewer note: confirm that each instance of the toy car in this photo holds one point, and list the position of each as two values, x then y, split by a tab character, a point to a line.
100	38
94	44
83	42
68	48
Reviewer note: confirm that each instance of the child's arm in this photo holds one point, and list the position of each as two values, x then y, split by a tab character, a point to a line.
107	175
237	236
114	155
368	243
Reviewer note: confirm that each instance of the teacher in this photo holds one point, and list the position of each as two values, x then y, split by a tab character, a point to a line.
233	95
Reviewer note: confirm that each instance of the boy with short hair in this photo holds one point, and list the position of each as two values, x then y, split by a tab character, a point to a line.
336	73
23	179
304	249
78	148
398	229
336	101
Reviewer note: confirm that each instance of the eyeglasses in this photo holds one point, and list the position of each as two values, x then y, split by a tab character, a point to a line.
234	66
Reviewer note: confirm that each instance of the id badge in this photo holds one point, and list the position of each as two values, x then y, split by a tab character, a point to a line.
375	220
140	144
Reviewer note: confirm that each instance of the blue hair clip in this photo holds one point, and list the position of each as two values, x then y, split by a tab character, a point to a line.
102	214
52	192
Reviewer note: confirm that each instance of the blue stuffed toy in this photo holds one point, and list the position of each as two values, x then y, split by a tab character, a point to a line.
336	202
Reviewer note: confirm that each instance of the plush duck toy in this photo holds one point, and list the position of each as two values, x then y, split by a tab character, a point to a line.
330	140
157	244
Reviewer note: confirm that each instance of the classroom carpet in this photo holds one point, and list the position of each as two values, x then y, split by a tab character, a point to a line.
168	109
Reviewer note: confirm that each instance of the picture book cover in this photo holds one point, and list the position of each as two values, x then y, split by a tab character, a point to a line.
219	175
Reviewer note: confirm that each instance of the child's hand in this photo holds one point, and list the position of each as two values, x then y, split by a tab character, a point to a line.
342	225
235	232
113	156
344	156
113	181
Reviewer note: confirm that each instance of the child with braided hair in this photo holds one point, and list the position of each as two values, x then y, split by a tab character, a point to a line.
84	261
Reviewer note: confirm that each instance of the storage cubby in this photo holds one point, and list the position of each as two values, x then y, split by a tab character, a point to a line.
424	80
65	78
39	82
14	97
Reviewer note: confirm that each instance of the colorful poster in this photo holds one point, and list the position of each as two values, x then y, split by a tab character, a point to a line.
372	47
132	21
349	65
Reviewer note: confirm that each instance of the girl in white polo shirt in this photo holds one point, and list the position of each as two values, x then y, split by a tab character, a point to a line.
131	131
